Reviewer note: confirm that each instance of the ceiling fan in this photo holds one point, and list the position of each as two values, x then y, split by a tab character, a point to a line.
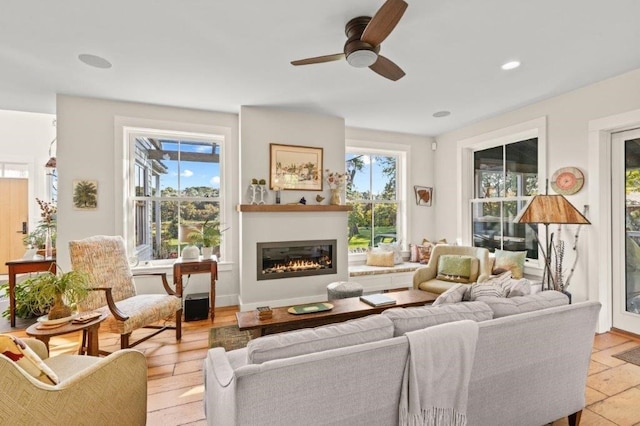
364	35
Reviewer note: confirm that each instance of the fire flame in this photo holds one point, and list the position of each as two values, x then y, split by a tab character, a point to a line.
299	265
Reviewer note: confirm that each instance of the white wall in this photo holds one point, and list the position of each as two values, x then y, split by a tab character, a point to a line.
420	172
90	147
568	118
259	127
25	138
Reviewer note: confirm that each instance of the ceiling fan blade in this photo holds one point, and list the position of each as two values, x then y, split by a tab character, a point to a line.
383	22
319	59
387	68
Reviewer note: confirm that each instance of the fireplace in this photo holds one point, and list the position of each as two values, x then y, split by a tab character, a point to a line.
287	259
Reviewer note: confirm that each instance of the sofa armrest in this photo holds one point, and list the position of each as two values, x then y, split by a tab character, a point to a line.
219	389
112	390
423	274
37	346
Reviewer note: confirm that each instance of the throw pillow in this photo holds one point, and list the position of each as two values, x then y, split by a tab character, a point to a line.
515	288
18	351
380	258
424	253
510	261
413	253
395	248
453	295
480	291
454	268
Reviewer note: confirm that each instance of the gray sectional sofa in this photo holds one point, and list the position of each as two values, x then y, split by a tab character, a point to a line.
530	367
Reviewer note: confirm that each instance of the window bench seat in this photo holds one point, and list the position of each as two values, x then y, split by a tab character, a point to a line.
378	278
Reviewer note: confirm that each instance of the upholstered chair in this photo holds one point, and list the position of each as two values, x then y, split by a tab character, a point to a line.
105	260
425	278
108	390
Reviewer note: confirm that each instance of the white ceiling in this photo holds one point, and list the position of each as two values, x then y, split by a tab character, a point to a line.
221	54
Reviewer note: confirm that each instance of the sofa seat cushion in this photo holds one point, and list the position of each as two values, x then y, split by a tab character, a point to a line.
503	307
142	310
436	286
300	342
410	319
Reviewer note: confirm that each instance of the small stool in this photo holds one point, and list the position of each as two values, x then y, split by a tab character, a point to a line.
343	289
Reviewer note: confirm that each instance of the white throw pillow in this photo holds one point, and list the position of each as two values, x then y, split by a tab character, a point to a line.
453	295
396	248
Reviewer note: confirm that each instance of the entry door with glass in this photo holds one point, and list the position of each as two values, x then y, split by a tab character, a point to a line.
625	195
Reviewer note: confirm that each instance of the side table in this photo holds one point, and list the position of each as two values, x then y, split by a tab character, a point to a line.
23	266
89	345
200	266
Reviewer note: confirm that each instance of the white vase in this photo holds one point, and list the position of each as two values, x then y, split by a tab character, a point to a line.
207	252
48	245
190	252
335	197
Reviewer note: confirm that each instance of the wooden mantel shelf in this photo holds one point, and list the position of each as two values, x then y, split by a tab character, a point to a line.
291	208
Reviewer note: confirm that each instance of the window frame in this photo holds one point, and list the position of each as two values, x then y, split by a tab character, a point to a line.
402	152
127	129
536	128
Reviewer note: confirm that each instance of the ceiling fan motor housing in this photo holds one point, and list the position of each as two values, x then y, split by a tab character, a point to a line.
358	53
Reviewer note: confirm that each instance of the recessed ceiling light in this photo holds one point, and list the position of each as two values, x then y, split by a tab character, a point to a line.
441	114
510	65
94	61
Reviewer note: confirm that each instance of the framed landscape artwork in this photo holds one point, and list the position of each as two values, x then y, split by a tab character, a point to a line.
295	167
424	195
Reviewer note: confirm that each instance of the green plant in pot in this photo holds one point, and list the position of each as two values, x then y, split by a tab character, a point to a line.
208	236
57	293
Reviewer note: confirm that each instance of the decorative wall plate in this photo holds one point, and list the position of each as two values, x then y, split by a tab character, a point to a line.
567	180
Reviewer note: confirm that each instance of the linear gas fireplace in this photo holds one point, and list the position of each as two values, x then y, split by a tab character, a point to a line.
286	259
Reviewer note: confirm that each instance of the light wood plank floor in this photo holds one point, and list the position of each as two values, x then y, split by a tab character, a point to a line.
175	385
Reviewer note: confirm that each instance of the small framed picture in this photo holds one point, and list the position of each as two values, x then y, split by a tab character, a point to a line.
85	194
424	195
295	167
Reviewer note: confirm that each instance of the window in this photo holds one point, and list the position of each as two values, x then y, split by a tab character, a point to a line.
505	177
174	188
373	192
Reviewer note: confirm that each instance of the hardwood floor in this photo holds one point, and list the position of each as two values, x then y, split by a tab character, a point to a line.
175	385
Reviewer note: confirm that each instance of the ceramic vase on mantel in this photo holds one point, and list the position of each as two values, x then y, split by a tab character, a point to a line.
335	197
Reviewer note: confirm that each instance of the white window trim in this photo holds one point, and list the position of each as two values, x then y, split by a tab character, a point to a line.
404	153
536	128
124	127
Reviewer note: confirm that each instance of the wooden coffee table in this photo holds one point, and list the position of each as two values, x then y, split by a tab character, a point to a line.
89	330
343	309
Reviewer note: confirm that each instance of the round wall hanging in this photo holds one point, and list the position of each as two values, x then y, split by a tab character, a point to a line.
567	180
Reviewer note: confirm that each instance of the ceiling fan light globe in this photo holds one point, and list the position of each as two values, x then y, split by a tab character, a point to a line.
362	58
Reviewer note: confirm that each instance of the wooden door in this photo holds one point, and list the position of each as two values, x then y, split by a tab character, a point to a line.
14	211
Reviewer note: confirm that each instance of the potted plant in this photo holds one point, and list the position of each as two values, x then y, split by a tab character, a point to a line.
43	237
208	236
54	292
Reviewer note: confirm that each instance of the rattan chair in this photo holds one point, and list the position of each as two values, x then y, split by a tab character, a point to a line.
105	260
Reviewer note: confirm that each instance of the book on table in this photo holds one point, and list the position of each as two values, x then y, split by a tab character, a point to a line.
377	300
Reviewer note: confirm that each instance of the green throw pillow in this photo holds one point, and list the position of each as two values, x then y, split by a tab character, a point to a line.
510	261
454	268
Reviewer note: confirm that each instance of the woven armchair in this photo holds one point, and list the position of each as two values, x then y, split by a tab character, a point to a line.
104	259
92	391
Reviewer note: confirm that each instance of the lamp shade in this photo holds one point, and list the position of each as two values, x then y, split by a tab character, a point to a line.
550	209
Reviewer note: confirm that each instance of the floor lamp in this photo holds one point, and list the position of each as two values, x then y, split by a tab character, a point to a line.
546	210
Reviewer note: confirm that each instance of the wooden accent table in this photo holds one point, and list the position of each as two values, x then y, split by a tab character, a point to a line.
201	266
89	344
343	309
24	266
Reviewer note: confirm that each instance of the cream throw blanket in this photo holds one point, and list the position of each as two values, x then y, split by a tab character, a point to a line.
435	385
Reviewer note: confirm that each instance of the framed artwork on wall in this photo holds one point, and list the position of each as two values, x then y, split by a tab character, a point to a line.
295	167
85	194
424	195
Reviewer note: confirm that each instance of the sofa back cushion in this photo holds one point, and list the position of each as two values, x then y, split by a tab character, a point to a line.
300	342
503	307
410	319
